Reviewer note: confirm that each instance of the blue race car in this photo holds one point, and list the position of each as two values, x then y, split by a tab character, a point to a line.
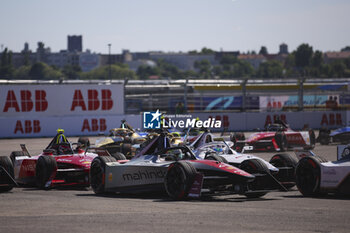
341	135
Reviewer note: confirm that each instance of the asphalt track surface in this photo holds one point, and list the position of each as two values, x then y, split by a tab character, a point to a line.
31	210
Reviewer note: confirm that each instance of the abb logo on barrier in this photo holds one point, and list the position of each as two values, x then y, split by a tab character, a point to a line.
37	101
94	102
95	125
27	127
27	103
274	104
331	119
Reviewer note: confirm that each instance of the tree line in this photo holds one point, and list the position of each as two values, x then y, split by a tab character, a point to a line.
303	62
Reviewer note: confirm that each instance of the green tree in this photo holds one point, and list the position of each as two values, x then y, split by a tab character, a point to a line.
232	67
317	59
22	72
207	51
347	48
6	68
270	69
204	68
303	55
263	50
118	71
71	71
168	70
144	71
41	70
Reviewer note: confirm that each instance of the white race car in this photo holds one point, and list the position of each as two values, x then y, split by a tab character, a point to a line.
315	176
277	173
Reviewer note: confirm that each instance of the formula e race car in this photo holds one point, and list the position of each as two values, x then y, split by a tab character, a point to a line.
281	166
58	165
315	175
341	135
121	140
276	137
176	170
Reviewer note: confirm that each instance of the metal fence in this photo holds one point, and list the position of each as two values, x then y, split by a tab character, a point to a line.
237	95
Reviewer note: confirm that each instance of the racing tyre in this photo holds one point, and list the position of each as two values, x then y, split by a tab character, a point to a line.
254	166
308	176
97	173
6	164
324	138
126	149
178	179
216	158
84	141
281	141
286	163
15	154
237	136
118	156
45	168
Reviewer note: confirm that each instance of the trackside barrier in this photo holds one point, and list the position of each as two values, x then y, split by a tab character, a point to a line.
41	126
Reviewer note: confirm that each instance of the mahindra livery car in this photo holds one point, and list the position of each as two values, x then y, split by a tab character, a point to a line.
276	137
176	170
315	176
281	166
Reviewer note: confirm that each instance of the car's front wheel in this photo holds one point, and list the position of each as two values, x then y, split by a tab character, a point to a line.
44	170
97	173
308	176
178	179
255	166
7	170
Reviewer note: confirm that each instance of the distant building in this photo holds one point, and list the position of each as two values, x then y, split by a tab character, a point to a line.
283	49
219	55
329	57
254	59
75	43
89	61
42	52
134	65
183	61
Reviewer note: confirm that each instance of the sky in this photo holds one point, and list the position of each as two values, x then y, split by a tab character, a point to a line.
174	26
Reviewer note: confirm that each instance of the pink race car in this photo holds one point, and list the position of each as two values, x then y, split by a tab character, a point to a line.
276	137
60	164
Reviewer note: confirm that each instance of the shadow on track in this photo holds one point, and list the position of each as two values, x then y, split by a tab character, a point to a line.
163	197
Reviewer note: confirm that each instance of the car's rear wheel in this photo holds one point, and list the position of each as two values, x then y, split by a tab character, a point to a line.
254	166
97	173
178	179
216	158
5	181
308	176
44	170
118	156
84	141
286	163
126	149
324	137
15	154
281	141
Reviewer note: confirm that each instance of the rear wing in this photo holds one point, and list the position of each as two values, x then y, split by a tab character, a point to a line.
25	150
